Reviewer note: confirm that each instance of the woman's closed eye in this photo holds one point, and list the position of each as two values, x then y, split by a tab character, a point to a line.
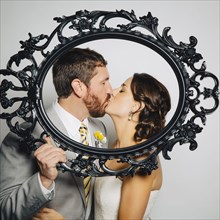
123	88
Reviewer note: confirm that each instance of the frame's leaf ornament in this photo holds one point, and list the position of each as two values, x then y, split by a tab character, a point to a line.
88	26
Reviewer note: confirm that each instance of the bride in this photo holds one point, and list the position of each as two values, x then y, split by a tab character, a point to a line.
138	109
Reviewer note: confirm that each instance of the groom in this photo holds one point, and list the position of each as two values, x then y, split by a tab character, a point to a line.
30	182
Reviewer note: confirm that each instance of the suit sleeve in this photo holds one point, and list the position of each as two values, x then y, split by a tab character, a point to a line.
20	192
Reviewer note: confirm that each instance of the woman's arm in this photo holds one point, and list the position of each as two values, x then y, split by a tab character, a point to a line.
135	194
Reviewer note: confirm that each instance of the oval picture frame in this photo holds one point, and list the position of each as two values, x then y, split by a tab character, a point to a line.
88	26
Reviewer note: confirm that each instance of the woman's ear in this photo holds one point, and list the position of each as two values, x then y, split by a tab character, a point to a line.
79	88
135	111
137	107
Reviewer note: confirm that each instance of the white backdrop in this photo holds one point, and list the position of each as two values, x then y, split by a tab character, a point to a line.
191	179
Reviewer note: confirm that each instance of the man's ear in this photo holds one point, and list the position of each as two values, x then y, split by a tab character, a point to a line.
79	88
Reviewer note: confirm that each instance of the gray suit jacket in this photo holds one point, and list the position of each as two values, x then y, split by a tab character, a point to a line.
20	192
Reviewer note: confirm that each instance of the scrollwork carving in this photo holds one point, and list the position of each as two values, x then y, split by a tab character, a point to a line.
87	26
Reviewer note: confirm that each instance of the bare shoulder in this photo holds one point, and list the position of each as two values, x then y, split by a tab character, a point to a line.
151	182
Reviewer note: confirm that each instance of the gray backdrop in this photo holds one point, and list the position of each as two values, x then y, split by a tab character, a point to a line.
191	179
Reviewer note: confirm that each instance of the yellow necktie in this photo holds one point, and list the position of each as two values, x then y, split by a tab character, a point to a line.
87	180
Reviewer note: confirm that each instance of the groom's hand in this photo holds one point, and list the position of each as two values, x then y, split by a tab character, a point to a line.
48	156
48	214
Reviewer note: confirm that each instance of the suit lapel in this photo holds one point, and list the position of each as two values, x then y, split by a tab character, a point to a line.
93	128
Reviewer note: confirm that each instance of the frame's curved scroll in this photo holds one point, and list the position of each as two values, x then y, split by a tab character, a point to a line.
88	26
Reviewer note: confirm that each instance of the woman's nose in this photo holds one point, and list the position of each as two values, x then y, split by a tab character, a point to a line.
115	91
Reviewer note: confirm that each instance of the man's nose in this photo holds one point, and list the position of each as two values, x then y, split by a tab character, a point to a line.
109	90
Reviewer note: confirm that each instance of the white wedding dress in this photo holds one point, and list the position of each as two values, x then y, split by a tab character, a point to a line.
107	198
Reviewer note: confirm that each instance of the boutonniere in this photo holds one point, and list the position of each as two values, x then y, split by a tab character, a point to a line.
100	139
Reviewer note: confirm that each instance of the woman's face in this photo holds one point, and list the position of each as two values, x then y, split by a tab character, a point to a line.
122	100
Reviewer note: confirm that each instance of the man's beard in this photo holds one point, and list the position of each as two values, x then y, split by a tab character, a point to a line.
94	106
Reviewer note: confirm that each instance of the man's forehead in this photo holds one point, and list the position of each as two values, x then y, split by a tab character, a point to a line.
100	73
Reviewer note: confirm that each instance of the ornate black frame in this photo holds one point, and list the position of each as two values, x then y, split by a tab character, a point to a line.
90	26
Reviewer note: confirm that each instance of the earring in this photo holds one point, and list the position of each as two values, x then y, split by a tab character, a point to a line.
130	115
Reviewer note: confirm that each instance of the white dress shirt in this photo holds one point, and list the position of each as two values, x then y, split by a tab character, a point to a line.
71	123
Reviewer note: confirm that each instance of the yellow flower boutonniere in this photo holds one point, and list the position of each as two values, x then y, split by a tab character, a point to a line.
100	138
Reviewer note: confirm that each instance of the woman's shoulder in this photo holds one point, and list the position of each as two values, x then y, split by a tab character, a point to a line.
152	182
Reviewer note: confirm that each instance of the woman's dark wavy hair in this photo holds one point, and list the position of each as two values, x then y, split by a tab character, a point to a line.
156	99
